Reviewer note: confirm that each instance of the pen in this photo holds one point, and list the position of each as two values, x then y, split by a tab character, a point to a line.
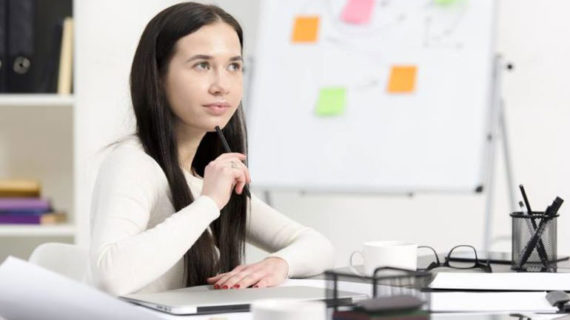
228	150
549	214
540	248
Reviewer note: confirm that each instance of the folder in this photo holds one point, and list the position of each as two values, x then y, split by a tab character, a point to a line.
33	40
20	45
3	39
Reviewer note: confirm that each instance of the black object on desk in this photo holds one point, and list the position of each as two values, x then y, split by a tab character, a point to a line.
559	299
540	246
393	291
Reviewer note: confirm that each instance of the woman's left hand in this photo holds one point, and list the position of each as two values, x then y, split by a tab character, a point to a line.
269	272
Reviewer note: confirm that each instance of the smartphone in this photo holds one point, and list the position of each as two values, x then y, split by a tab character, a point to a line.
493	256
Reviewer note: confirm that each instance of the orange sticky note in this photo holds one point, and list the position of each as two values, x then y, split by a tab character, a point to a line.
402	79
306	29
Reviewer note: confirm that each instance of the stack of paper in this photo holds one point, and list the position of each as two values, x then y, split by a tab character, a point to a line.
503	281
31	292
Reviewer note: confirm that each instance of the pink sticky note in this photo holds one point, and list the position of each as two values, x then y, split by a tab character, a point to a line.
357	11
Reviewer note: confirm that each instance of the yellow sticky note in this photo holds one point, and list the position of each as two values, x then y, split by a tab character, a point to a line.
331	101
402	79
305	29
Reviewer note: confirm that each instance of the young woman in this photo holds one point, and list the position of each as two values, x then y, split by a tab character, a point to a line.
169	208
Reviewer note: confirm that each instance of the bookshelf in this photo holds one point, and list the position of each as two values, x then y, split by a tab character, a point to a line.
63	230
36	142
35	100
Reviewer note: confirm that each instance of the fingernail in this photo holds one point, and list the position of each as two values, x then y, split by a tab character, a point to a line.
225	287
216	286
236	286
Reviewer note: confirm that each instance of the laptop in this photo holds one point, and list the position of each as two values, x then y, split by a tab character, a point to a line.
205	300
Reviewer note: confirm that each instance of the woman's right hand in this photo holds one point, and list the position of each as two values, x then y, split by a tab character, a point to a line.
224	174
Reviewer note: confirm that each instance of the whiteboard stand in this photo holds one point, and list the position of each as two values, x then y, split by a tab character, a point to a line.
497	130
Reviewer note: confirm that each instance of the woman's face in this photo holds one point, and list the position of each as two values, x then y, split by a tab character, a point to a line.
204	80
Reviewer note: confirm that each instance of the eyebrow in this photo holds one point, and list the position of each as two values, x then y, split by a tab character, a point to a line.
207	57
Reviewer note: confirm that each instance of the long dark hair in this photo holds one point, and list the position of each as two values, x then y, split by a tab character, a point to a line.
155	129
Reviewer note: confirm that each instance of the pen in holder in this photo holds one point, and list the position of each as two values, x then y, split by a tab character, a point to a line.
534	241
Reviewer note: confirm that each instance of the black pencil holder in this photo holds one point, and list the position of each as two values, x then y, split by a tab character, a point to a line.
542	250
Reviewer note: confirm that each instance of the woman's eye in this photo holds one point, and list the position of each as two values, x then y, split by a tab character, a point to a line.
202	66
234	67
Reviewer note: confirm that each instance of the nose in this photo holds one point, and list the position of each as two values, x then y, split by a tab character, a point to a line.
220	83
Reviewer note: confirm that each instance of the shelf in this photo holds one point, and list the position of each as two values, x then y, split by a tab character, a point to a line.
36	230
36	100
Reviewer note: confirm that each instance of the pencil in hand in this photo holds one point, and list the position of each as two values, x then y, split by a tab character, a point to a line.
228	150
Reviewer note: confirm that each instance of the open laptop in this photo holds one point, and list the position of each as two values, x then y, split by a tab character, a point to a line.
205	300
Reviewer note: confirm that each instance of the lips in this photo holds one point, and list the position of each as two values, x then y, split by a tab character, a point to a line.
217	108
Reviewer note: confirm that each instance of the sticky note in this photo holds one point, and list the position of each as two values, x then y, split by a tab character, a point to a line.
331	101
305	29
444	2
357	11
402	79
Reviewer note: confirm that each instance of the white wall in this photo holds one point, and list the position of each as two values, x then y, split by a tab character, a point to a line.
531	34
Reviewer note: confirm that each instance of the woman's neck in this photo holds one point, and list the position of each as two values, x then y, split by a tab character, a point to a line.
187	140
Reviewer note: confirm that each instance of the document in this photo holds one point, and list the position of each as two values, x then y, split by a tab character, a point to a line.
490	302
503	281
28	291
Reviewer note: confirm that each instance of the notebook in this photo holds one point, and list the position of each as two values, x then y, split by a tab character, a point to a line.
205	300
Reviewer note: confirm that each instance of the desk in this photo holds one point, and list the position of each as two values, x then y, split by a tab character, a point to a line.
359	287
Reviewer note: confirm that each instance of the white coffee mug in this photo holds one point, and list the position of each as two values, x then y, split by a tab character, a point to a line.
288	309
396	254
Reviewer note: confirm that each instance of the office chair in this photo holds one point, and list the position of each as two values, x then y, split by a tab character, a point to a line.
66	259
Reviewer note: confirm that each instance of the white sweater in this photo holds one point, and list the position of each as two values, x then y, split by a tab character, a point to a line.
138	241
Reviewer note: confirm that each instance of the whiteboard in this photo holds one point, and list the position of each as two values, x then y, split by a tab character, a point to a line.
432	138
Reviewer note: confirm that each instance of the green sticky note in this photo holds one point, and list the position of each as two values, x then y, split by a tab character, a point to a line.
331	101
445	2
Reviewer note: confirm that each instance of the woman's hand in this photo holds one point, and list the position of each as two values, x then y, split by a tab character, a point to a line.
269	272
224	174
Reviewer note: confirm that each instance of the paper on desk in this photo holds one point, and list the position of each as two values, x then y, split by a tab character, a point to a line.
490	302
28	291
505	281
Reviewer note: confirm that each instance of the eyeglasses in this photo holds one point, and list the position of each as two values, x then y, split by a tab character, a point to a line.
459	257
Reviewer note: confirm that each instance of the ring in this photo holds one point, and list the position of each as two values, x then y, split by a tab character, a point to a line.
233	165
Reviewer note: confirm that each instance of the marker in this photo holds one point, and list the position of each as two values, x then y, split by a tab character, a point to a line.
228	150
540	247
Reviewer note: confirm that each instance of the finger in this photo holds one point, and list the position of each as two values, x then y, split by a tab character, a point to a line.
215	278
262	283
244	279
221	283
235	155
249	280
240	179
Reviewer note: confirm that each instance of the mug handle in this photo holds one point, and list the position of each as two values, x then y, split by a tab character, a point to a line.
352	267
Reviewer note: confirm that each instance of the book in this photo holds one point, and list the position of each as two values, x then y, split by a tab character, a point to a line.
19	188
24	203
48	218
66	58
24	211
361	315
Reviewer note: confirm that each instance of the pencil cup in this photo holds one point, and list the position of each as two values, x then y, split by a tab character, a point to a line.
534	242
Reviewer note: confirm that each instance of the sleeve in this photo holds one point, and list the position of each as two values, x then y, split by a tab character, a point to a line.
306	251
125	255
